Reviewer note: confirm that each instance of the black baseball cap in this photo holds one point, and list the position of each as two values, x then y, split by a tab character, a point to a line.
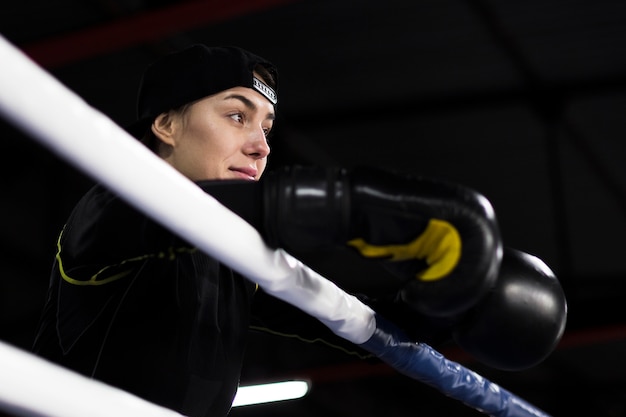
193	73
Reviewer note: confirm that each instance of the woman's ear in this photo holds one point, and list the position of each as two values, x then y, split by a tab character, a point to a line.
163	128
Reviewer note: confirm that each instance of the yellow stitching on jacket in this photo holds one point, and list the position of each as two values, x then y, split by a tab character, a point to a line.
170	255
317	340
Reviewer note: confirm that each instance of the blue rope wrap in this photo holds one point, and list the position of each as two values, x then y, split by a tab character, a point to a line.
422	363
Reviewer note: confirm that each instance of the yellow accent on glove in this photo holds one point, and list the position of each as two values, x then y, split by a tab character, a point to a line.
439	245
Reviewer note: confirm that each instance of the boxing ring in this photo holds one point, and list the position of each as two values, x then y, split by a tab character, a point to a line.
43	108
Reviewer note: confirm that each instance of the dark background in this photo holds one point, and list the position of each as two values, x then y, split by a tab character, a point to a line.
522	100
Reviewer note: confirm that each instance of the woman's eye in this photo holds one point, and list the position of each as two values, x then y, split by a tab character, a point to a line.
238	117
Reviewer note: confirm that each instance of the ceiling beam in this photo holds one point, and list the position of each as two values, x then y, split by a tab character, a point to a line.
137	29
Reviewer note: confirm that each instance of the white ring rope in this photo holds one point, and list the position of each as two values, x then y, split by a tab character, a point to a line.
59	119
33	387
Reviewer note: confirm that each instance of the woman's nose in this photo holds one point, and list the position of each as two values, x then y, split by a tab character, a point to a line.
258	144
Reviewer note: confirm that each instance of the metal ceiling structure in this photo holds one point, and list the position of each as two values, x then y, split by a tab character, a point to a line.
522	100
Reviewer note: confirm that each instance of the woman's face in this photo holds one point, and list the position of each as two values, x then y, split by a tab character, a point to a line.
222	136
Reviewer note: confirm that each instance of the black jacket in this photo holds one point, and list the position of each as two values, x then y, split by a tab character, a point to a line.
135	306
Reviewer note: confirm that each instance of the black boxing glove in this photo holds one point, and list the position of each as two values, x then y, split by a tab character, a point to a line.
445	234
440	238
521	319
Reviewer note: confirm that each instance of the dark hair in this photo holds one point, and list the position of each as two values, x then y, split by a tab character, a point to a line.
266	75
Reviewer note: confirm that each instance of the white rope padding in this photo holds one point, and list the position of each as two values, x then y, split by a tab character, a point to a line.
59	119
33	387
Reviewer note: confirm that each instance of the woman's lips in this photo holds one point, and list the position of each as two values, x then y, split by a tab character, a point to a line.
245	173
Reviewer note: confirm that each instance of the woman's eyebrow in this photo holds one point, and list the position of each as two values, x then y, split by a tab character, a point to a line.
249	104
